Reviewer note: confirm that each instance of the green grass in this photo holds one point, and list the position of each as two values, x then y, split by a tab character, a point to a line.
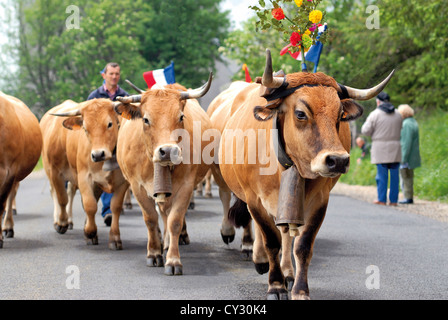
431	179
39	165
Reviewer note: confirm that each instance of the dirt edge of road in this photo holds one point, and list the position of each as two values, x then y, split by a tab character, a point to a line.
432	209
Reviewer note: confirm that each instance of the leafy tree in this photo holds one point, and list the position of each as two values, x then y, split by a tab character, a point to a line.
187	32
57	62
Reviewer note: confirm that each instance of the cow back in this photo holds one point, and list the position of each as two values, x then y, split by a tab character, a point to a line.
58	141
20	137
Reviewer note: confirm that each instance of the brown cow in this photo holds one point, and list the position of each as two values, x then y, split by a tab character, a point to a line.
311	113
78	156
20	147
148	144
219	111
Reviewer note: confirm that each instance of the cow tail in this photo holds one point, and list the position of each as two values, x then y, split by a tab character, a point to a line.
238	214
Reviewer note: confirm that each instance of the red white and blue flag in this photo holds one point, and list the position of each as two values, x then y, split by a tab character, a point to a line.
160	76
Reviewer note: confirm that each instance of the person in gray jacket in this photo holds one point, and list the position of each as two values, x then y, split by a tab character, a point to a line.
410	151
384	126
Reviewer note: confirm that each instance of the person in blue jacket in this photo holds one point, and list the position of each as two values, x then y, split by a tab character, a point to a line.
109	90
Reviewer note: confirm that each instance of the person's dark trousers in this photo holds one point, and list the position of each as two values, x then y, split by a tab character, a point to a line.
384	170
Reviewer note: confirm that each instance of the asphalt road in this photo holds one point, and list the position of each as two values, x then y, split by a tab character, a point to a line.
362	252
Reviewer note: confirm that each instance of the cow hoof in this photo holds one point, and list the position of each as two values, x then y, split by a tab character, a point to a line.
173	270
70	226
289	283
14	212
115	245
60	229
278	295
262	268
246	254
184	239
154	261
9	233
1	244
208	195
191	206
227	239
91	238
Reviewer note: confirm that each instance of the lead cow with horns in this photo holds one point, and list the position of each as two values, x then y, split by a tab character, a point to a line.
311	113
156	166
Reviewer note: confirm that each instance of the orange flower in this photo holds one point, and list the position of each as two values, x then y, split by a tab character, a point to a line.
278	14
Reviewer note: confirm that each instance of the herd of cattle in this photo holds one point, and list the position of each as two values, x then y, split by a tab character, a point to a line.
308	112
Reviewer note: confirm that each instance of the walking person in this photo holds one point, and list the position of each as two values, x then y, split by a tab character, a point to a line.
109	90
410	152
383	125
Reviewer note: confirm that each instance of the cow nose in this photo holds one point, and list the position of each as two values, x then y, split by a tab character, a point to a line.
337	164
98	155
168	154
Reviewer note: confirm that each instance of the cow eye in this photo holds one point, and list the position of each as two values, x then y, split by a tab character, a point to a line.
109	125
301	115
182	117
146	121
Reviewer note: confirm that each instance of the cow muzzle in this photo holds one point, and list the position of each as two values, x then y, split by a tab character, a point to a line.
167	155
331	164
98	155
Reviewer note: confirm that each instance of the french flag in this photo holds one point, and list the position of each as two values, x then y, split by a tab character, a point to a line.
160	76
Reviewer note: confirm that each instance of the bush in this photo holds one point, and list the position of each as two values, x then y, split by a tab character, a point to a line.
431	179
362	173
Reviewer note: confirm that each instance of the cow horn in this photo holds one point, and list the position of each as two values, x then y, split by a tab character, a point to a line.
73	113
199	92
134	86
268	79
130	99
366	94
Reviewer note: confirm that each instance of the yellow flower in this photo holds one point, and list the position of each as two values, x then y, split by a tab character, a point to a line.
315	16
307	32
298	2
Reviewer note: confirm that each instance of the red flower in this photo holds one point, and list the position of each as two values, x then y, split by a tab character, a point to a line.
278	13
295	38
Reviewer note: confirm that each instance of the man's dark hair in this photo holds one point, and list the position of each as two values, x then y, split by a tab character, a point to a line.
112	65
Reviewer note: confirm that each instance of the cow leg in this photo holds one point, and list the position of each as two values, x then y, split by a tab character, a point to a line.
272	243
175	222
71	191
8	223
184	239
6	183
247	242
286	260
208	184
60	200
90	205
260	258
227	228
127	199
116	206
303	251
154	256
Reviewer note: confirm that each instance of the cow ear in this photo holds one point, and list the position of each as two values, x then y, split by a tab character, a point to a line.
268	111
352	110
128	111
73	123
263	113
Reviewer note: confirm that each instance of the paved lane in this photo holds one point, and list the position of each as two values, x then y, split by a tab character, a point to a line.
407	251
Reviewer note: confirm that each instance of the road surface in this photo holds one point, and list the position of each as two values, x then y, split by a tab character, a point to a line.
362	252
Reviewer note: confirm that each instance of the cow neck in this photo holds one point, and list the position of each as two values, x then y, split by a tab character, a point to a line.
279	144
